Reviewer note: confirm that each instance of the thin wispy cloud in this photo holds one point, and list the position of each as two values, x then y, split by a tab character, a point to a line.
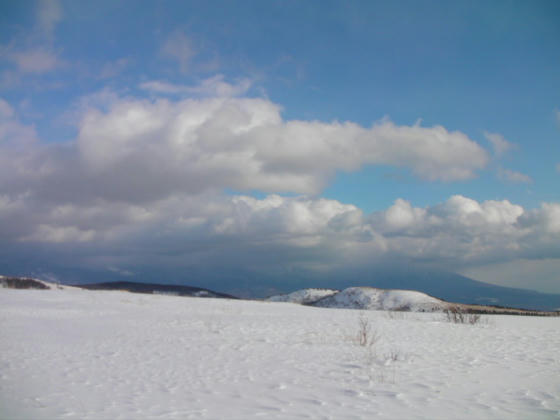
514	176
179	47
112	69
35	61
499	144
49	14
213	86
32	52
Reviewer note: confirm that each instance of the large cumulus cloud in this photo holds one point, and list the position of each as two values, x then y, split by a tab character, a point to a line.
244	143
140	150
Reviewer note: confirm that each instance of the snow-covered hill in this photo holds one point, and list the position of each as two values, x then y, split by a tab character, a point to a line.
364	298
382	299
303	296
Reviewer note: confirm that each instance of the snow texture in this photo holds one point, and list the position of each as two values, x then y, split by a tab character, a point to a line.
81	354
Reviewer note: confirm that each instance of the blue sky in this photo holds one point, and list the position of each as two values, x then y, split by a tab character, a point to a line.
431	128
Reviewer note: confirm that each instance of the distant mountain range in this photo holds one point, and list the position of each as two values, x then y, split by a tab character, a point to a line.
365	298
445	286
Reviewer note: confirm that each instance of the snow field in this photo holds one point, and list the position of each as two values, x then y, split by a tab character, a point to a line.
97	354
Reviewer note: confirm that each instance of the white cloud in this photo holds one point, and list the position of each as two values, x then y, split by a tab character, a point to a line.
499	143
402	215
463	231
179	48
241	143
547	218
514	176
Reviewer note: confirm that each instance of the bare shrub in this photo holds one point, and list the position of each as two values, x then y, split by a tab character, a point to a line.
377	365
365	336
457	315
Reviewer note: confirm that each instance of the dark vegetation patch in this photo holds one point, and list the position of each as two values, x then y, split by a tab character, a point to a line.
152	288
502	310
22	283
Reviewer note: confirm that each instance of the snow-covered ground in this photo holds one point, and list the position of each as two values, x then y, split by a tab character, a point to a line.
98	354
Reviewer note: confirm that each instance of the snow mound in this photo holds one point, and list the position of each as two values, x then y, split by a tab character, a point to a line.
381	299
303	296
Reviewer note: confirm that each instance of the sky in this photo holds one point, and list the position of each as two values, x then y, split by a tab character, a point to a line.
276	140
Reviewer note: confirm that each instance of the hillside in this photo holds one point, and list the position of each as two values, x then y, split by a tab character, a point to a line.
378	299
303	296
368	298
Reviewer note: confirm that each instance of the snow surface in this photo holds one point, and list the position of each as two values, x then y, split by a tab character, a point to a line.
303	296
82	354
382	299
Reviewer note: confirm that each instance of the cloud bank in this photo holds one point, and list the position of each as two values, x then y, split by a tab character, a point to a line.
144	182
